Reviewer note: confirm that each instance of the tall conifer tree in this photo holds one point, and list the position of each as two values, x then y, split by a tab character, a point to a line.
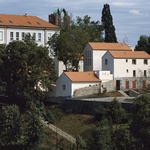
109	29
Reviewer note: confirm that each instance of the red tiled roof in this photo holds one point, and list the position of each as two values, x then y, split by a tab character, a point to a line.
82	76
109	46
24	21
130	54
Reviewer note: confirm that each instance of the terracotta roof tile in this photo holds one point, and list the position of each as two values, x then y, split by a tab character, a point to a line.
24	21
129	54
109	46
82	76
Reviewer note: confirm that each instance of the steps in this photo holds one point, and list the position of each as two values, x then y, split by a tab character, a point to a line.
123	93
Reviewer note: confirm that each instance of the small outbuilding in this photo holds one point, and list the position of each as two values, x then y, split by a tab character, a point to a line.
68	82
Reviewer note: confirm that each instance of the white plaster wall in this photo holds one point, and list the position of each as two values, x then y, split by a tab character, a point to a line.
81	65
77	85
97	59
110	63
63	80
2	35
121	67
104	75
60	67
44	34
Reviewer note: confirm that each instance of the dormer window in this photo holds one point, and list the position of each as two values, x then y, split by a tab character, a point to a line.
10	21
38	23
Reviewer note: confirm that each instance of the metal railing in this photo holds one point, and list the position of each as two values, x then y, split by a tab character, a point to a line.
59	132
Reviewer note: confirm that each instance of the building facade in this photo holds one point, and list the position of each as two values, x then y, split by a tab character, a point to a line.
130	69
94	51
16	27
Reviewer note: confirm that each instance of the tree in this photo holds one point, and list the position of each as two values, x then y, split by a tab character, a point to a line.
143	44
116	112
122	139
92	28
107	21
79	145
68	46
10	123
101	136
32	129
140	123
28	65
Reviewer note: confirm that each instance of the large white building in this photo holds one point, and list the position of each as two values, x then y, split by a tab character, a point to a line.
126	63
94	51
15	27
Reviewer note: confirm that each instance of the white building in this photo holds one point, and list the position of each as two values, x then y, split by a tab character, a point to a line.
15	27
94	51
68	82
127	63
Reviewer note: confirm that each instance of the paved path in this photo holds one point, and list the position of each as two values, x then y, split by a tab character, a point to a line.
59	132
109	99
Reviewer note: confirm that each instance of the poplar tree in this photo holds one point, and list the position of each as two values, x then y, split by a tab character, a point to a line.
107	21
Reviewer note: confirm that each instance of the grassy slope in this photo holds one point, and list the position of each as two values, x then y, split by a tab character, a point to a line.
73	124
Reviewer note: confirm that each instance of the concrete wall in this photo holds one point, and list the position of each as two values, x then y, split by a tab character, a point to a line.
93	89
138	80
109	86
88	107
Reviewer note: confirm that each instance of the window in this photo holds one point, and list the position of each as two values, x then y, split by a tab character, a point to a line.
1	35
134	73
17	35
49	35
134	61
39	37
145	61
11	36
23	36
34	36
64	87
127	70
145	74
126	60
106	61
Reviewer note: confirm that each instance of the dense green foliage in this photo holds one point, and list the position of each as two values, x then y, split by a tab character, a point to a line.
26	74
24	66
140	124
143	44
20	130
107	21
9	126
69	44
131	131
101	136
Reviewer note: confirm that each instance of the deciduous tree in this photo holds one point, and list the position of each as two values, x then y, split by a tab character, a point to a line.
143	44
101	136
28	65
140	124
10	123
